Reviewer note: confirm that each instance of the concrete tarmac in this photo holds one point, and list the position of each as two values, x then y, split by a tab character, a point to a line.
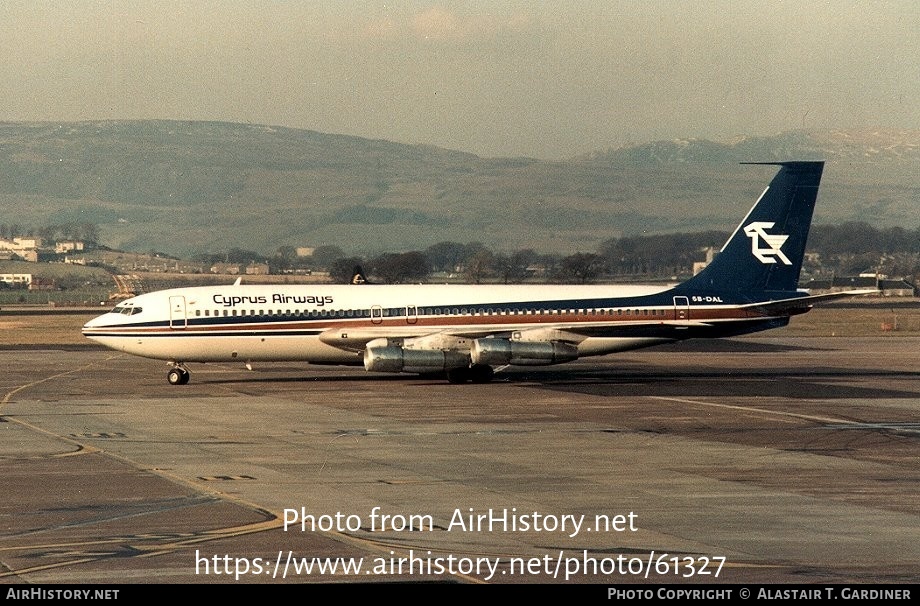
755	460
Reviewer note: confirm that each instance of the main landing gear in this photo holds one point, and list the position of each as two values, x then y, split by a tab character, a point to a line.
178	375
477	373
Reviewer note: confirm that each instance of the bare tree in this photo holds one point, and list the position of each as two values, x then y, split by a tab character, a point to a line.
395	268
478	266
584	267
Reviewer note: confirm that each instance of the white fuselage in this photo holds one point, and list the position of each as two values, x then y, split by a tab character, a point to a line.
333	323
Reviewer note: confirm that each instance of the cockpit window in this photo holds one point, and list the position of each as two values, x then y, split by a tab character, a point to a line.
127	310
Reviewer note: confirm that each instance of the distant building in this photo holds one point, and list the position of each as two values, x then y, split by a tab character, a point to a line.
305	251
69	246
225	268
257	269
42	284
888	288
21	243
24	248
711	254
16	280
897	288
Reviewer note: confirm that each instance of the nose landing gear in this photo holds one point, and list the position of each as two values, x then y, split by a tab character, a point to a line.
178	375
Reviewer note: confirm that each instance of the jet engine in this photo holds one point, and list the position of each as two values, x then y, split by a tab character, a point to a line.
496	352
400	359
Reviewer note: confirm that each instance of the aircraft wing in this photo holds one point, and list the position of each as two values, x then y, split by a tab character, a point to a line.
459	337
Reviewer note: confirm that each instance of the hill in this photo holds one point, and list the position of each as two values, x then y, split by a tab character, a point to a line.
190	187
873	147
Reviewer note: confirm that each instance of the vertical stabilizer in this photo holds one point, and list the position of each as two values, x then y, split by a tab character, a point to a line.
766	250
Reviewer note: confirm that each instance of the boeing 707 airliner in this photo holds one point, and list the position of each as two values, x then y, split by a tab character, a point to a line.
465	331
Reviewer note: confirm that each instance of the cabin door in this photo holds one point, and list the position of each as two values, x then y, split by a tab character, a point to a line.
411	314
177	318
376	314
681	308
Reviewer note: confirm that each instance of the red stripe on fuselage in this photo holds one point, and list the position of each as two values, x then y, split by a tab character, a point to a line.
444	322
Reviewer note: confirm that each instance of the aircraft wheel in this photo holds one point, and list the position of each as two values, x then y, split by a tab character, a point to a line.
458	375
178	376
481	373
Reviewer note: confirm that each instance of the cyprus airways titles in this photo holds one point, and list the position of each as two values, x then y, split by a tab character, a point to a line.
234	300
466	331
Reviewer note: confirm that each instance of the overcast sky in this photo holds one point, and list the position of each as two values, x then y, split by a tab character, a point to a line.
497	78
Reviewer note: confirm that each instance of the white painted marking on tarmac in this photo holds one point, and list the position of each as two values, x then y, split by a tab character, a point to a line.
778	413
834	422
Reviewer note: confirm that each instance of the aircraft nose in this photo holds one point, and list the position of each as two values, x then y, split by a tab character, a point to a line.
94	323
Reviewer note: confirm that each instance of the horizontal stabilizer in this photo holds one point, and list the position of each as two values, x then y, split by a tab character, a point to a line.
808	301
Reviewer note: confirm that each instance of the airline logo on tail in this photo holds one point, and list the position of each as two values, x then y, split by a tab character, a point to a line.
756	232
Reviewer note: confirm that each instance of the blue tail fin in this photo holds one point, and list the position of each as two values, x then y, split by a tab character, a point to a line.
766	250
